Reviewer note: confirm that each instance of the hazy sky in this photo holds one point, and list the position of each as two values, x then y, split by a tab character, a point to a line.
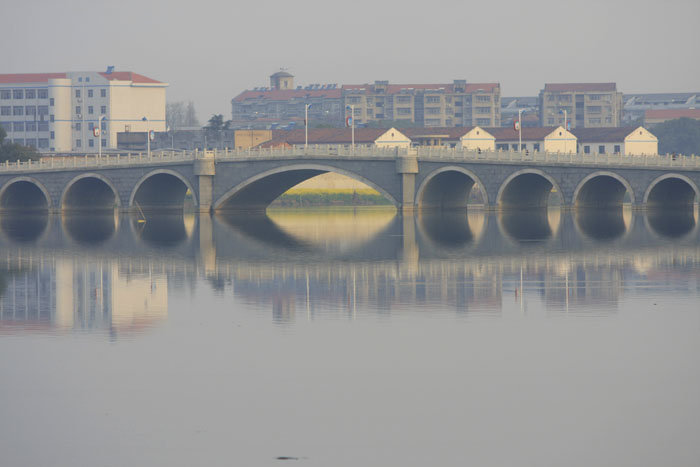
211	50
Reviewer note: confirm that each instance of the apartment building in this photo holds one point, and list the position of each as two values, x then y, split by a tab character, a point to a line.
58	111
429	105
282	103
586	105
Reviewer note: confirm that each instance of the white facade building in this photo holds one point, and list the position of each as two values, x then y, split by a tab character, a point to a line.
57	111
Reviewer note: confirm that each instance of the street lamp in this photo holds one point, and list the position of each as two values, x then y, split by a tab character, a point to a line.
351	108
306	125
99	134
148	138
520	130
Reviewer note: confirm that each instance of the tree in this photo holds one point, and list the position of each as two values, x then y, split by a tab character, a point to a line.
217	123
680	136
14	151
191	115
175	115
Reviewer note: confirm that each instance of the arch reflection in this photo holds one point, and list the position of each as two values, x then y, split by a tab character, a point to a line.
451	229
164	230
94	229
24	228
529	225
603	224
672	223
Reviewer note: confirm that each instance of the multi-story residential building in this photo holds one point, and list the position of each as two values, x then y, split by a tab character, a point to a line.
282	103
586	105
430	105
58	111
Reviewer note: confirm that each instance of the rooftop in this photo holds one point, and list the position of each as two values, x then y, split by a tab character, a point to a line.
17	78
671	114
580	87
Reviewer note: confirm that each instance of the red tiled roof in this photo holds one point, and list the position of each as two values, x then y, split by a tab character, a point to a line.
452	132
602	135
129	76
326	136
580	87
16	78
286	94
528	133
670	114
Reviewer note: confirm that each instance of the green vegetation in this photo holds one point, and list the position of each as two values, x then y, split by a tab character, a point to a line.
13	151
217	123
330	197
680	136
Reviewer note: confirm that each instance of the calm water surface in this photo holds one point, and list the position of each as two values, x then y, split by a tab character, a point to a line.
348	338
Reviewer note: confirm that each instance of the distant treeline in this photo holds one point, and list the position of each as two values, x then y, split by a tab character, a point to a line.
331	197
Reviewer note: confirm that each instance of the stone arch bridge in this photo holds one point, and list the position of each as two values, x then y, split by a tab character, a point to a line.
424	177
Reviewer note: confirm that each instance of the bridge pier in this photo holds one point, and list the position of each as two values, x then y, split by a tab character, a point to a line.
407	168
204	170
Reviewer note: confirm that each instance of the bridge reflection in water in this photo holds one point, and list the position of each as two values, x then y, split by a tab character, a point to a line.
114	274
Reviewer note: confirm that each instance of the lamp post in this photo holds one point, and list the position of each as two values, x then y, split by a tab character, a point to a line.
148	138
99	135
351	108
520	130
306	125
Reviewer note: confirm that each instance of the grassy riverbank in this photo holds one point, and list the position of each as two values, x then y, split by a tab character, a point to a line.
330	197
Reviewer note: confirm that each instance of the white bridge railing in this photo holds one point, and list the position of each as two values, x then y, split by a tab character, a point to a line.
424	153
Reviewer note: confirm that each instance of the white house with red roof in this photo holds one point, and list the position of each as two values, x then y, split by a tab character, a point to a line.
58	112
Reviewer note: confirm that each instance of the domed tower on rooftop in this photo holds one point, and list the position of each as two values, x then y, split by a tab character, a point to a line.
282	80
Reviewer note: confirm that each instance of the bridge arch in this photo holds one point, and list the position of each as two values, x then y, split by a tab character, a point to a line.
258	191
526	188
103	194
602	189
671	190
449	188
24	193
161	188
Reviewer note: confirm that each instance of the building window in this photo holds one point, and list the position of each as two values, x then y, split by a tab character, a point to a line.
5	110
91	126
90	110
78	126
104	142
43	93
502	147
90	92
43	126
594	121
594	109
432	99
483	121
550	121
77	93
18	126
483	98
17	110
483	110
6	125
514	147
18	94
536	146
77	109
52	135
30	110
30	94
51	118
595	97
601	149
87	79
403	111
91	143
103	125
403	99
43	110
78	143
51	102
432	110
617	149
354	100
103	109
5	95
30	142
30	126
586	149
103	93
43	143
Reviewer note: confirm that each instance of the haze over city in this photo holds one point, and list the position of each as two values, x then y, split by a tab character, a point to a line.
210	51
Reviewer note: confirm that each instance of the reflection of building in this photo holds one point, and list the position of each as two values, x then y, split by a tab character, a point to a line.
57	111
83	295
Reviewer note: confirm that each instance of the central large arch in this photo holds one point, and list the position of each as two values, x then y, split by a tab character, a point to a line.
257	192
602	189
527	188
448	188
